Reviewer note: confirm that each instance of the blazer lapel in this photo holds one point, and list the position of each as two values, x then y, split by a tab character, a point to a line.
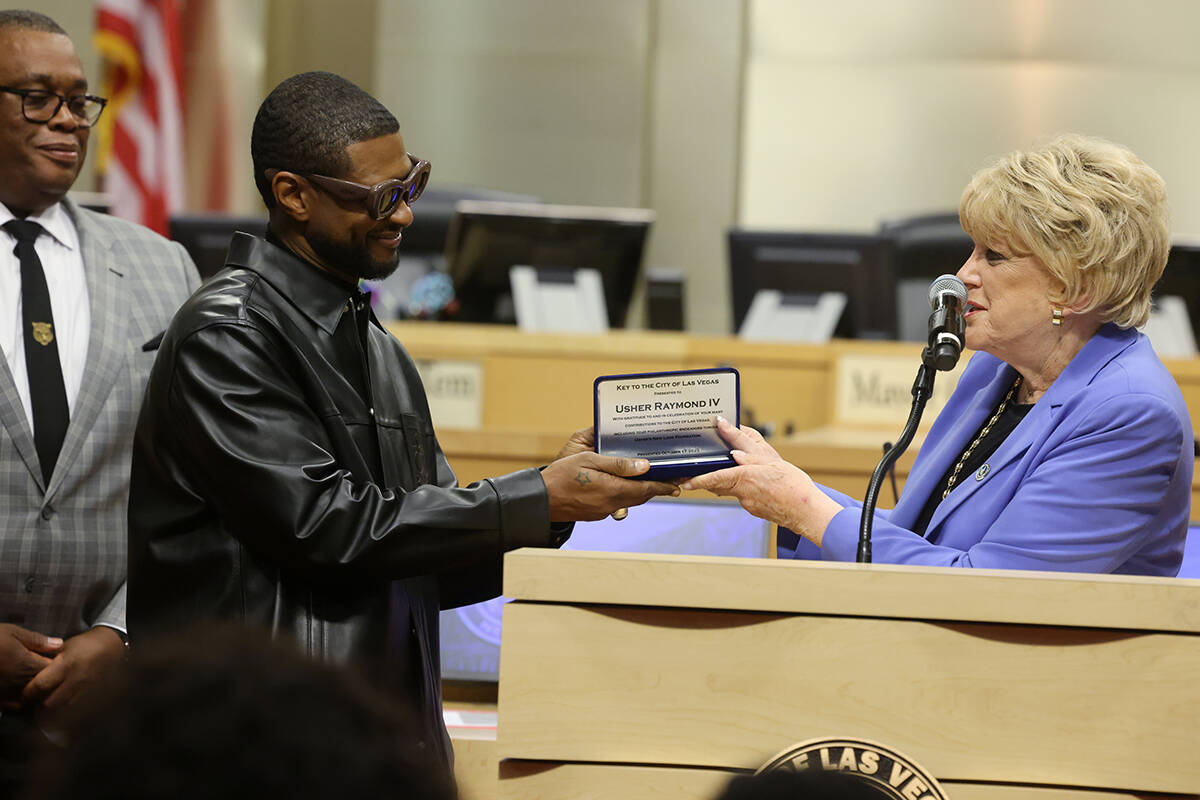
1108	342
1009	450
12	416
949	446
107	337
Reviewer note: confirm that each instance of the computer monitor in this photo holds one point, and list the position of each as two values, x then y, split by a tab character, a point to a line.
488	238
206	236
685	526
1181	278
434	211
857	265
412	290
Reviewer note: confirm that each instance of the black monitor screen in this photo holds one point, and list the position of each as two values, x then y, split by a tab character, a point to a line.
488	238
857	265
1182	278
434	211
206	237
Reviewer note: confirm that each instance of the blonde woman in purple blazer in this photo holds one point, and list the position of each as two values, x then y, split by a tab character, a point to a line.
1066	444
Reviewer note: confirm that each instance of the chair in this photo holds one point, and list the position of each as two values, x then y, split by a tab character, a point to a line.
923	247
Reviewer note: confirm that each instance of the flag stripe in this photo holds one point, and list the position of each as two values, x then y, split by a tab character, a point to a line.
139	40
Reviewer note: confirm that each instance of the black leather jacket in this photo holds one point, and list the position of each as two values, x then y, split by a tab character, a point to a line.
265	487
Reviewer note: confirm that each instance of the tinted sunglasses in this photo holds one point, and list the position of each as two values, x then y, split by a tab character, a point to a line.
382	199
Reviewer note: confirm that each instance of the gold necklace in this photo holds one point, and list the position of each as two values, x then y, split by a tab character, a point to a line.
971	448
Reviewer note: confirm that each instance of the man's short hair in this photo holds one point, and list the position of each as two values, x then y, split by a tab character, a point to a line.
29	20
306	123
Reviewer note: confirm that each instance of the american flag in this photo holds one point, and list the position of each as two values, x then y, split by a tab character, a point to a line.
140	135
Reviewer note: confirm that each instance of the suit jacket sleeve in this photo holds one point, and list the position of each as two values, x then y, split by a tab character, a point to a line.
191	275
792	545
1087	505
113	614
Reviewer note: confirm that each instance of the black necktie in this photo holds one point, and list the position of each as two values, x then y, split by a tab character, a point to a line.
47	394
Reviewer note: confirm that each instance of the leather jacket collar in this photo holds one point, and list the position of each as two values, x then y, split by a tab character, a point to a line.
315	293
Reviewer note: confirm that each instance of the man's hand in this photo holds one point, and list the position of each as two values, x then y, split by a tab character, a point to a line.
84	661
581	441
589	486
23	654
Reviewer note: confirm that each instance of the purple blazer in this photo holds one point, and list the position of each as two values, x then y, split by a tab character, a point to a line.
1096	478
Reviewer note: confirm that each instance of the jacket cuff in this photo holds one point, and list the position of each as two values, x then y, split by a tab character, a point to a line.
525	511
113	615
840	540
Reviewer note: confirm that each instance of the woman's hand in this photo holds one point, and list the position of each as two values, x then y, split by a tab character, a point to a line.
767	486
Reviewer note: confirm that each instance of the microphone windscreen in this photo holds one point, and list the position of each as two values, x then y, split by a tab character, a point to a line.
947	284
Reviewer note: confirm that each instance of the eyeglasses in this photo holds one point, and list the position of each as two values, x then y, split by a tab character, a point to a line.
38	105
382	199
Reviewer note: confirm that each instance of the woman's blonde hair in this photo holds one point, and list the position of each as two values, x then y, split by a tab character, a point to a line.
1093	212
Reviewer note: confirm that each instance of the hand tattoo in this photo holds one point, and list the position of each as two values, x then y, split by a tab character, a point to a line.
582	478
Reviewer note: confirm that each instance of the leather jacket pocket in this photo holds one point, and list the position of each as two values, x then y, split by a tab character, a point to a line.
419	463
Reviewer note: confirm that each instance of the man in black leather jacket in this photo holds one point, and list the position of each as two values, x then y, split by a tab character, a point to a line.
285	469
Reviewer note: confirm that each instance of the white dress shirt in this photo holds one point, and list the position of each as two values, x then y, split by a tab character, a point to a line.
62	261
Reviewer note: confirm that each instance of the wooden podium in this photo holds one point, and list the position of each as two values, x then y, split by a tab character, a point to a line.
636	676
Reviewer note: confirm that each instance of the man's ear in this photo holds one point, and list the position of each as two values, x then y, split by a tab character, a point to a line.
293	195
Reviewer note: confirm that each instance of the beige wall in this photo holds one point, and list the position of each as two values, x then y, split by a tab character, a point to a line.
695	107
76	18
544	98
333	35
771	113
862	109
623	102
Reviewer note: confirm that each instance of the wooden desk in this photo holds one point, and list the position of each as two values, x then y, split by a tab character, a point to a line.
537	388
543	382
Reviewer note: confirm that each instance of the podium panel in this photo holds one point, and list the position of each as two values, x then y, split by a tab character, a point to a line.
986	678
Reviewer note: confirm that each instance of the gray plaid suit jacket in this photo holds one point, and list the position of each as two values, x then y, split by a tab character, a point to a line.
62	547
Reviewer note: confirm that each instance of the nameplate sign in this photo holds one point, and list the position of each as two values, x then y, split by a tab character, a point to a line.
877	389
455	392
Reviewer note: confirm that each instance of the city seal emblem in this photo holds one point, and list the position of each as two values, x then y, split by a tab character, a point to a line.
890	774
43	333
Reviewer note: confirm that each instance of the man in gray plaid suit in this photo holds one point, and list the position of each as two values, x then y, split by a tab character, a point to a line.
66	423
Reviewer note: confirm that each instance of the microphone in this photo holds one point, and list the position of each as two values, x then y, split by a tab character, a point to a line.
948	297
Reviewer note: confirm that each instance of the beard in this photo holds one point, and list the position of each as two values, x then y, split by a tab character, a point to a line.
353	258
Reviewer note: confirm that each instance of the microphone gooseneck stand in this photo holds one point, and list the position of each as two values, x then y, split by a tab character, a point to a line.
932	359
